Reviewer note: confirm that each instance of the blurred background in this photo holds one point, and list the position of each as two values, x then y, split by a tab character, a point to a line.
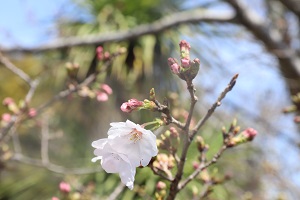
257	39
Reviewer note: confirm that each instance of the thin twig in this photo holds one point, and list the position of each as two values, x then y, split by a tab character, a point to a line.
53	167
114	195
165	110
20	73
192	90
214	106
201	168
45	141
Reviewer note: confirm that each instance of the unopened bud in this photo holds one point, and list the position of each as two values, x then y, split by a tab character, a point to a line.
32	112
184	49
72	69
131	105
101	96
152	94
7	101
6	117
297	119
64	187
160	185
106	88
200	143
99	52
174	66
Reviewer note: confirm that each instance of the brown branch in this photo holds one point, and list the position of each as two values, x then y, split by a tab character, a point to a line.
292	5
173	20
165	110
202	167
214	106
191	88
20	73
287	57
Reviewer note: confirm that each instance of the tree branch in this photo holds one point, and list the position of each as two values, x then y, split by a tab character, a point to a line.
160	25
287	57
292	5
214	106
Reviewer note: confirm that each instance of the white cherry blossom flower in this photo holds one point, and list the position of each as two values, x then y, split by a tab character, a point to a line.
114	162
137	143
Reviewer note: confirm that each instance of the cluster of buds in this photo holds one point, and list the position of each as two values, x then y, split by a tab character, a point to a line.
201	146
234	137
160	192
164	162
187	69
134	104
101	54
100	92
72	70
15	109
169	141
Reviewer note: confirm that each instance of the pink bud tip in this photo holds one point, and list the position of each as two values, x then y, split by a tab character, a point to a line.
250	133
64	187
6	117
99	49
106	88
99	52
160	185
54	198
131	105
102	96
32	112
7	101
175	68
184	44
196	165
185	62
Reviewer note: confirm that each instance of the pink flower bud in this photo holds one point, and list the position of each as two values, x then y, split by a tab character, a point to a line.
196	165
184	49
184	45
32	112
6	117
160	185
175	68
131	105
185	63
106	88
250	133
99	52
7	101
102	96
54	198
64	187
106	55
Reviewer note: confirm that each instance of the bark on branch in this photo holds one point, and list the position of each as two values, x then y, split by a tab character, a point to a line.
191	16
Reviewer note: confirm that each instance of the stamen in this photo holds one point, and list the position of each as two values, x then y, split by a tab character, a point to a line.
135	135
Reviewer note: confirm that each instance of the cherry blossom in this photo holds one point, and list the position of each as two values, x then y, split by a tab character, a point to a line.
114	162
133	140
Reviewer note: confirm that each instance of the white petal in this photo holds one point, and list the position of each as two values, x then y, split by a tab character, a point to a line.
99	143
111	163
127	175
130	124
96	158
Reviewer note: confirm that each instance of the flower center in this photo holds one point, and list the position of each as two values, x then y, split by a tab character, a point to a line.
135	135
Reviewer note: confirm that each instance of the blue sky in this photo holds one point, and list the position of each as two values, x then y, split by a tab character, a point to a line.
29	22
